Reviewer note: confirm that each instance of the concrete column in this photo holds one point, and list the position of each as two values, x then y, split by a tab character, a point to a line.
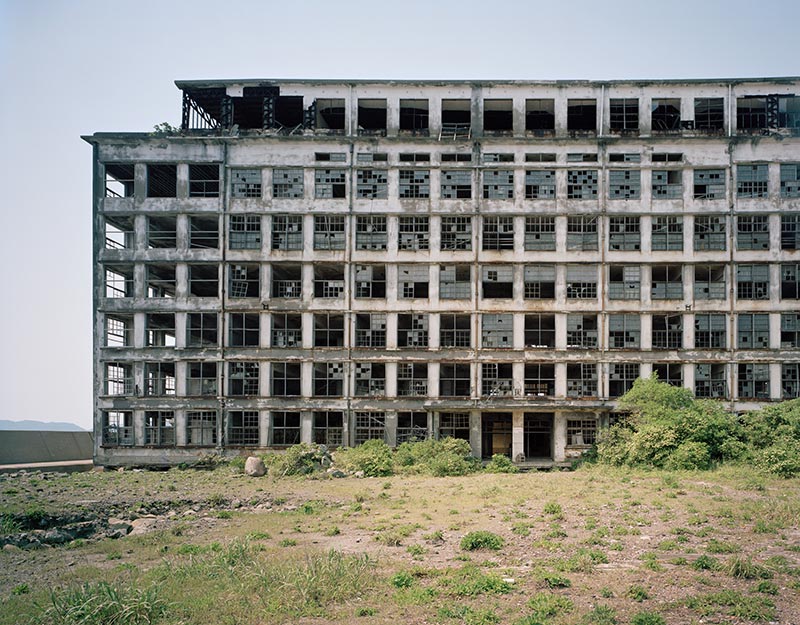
139	181
559	436
518	379
519	235
688	331
180	428
182	232
517	434
775	331
390	432
646	332
645	122
263	428
391	379
560	371
306	427
475	433
140	232
688	376
646	285
646	369
180	378
688	235
775	380
645	232
561	234
433	381
561	331
518	115
391	330
561	112
518	329
435	115
307	277
264	378
307	379
140	329
392	116
181	280
183	180
138	427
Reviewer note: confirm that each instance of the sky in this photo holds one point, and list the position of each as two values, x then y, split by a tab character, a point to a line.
70	68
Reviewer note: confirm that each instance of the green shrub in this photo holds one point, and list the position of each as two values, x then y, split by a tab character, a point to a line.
403	579
481	539
782	458
638	593
373	457
691	455
470	581
705	563
545	606
237	463
501	463
299	459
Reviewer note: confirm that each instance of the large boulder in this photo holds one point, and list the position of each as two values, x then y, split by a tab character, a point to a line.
254	467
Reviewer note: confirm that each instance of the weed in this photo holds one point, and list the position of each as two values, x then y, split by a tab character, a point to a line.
767	587
500	463
638	593
606	592
416	551
734	604
434	537
287	542
718	546
224	514
651	562
469	616
547	605
521	529
20	589
403	579
553	508
259	536
469	581
556	581
9	525
600	615
365	612
481	539
217	501
745	568
333	531
647	618
104	603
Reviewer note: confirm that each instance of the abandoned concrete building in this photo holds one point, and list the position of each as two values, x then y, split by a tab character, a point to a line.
336	261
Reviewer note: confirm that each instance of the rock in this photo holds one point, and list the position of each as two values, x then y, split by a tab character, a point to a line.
143	525
336	472
57	537
118	527
10	547
236	503
358	474
254	467
325	462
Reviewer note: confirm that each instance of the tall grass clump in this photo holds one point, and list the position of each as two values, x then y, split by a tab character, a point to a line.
103	604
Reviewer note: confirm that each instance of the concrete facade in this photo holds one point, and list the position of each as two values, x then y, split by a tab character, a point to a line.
337	261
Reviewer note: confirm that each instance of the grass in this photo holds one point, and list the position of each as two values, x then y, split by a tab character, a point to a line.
482	539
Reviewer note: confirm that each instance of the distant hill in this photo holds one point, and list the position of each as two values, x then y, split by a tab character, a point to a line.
55	426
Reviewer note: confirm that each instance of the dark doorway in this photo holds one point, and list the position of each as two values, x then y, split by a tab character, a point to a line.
538	435
495	434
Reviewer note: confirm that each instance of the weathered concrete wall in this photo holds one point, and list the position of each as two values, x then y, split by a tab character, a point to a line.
29	446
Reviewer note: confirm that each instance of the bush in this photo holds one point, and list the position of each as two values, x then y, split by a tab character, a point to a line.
481	539
373	457
691	455
299	459
501	464
782	458
445	457
545	606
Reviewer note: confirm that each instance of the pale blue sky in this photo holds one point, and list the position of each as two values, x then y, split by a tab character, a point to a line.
76	67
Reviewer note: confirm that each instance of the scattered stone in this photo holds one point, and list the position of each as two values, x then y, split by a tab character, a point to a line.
118	526
509	580
254	467
143	525
10	547
358	474
236	503
336	472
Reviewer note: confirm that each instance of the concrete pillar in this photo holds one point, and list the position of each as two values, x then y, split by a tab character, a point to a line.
561	331
180	428
645	230
517	434
306	427
688	331
559	436
391	379
307	379
775	381
775	331
264	378
139	181
475	433
263	428
560	371
390	431
183	180
392	116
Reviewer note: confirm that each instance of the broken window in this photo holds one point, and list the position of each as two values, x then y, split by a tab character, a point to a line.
624	184
671	373
752	282
752	232
329	232
582	184
455	331
330	183
624	157
328	280
497	331
667	233
243	378
540	157
540	331
117	428
329	428
497	379
539	281
201	428
160	330
498	233
119	179
752	330
790	380
455	281
414	183
456	119
370	379
710	380
621	377
624	115
162	180
581	116
246	183
581	432
119	232
790	281
581	157
287	330
456	233
244	280
790	331
285	379
709	282
709	114
454	425
667	184
412	379
414	117
287	183
581	380
454	380
119	330
369	426
243	427
540	233
456	157
498	157
790	232
624	234
414	157
498	184
371	184
328	379
412	330
412	426
624	282
372	157
413	281
371	232
159	379
540	184
161	281
456	184
581	282
710	331
203	232
414	233
370	281
119	378
789	112
498	117
790	180
285	428
288	113
162	232
201	379
709	233
667	157
372	116
581	233
330	115
244	232
540	118
204	280
665	114
752	180
244	329
709	184
751	114
624	331
204	180
666	282
118	281
159	428
582	331
287	232
286	281
497	282
370	330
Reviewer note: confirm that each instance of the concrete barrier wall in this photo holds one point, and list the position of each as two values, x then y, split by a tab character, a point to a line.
33	446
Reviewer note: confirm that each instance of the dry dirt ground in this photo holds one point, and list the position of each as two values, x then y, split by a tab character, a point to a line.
631	541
